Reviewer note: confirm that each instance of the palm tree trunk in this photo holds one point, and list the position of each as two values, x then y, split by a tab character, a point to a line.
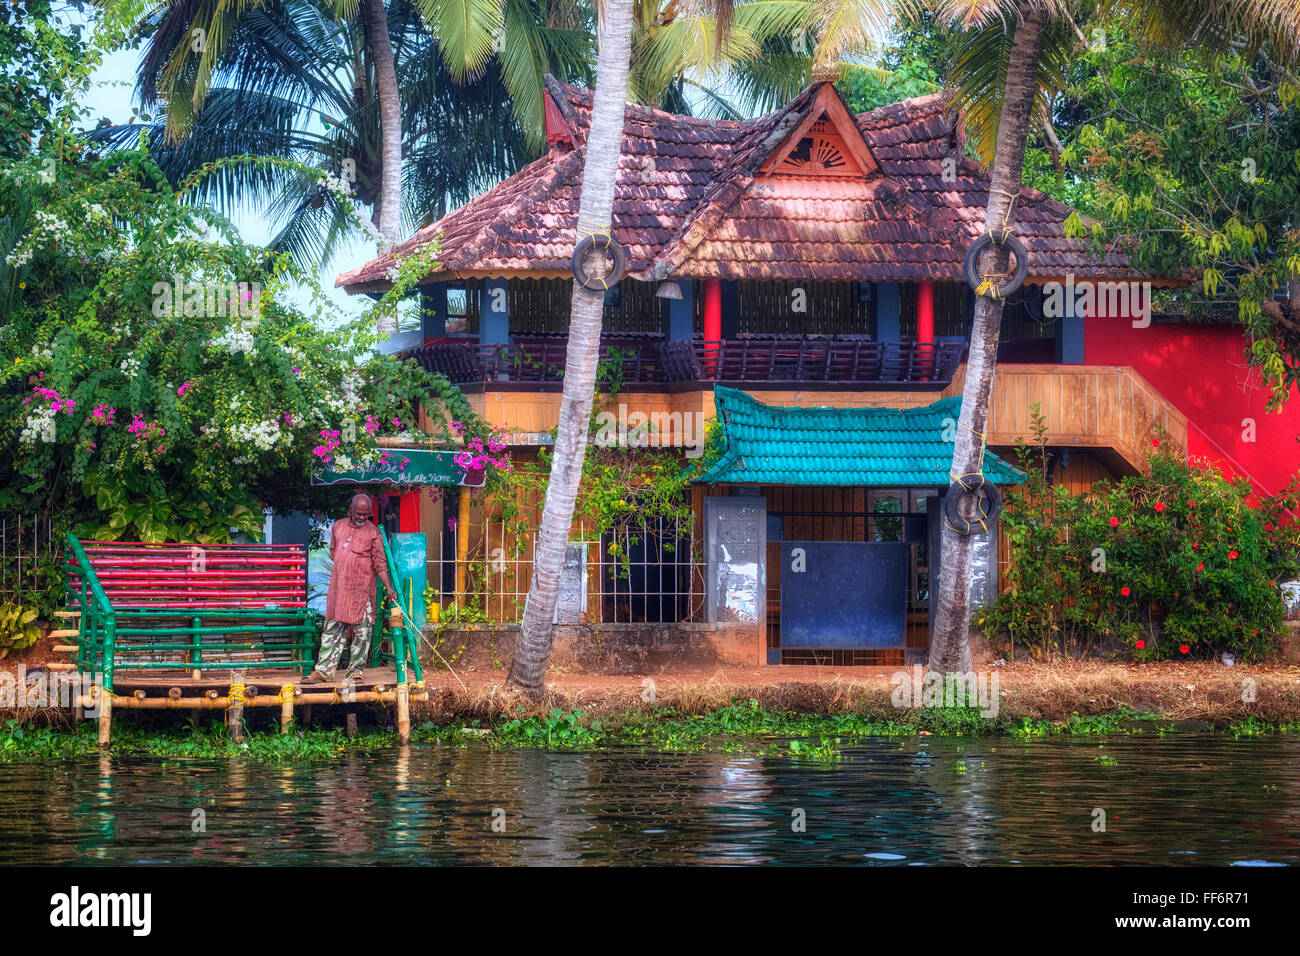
949	645
389	219
595	206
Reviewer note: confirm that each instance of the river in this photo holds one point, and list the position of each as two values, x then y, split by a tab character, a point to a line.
913	801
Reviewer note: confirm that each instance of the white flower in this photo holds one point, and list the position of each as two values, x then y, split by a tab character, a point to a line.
239	338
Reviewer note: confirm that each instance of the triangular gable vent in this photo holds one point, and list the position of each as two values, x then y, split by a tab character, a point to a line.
826	143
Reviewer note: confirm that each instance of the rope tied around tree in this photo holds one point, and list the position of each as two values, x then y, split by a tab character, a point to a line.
597	235
991	284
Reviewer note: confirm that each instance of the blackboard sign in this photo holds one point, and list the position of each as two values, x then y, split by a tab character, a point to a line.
843	594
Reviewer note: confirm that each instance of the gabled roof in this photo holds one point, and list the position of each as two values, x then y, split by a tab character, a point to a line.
693	200
882	447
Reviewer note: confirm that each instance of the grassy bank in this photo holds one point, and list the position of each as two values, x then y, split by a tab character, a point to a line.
739	726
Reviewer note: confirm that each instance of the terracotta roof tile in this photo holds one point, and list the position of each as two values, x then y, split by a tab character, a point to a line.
690	201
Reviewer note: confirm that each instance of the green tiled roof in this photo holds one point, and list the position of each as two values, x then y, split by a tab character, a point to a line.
884	447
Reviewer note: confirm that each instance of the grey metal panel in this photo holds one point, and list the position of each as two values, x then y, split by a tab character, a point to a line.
735	552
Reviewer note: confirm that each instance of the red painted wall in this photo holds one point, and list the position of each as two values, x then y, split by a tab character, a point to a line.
1202	370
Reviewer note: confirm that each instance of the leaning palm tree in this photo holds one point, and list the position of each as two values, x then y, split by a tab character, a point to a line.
595	211
1013	59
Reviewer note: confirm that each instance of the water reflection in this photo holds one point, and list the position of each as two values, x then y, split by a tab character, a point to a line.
912	801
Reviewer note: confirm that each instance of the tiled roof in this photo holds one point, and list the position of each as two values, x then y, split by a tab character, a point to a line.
691	201
882	447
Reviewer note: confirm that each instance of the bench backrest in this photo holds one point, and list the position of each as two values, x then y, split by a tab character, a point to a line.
244	576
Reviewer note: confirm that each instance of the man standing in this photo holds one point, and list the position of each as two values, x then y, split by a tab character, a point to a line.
358	556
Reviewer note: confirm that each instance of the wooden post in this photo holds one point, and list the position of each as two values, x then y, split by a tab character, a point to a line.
352	723
105	717
306	715
462	546
235	709
286	707
403	714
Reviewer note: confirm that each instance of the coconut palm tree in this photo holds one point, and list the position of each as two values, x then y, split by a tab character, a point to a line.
1012	61
291	82
595	207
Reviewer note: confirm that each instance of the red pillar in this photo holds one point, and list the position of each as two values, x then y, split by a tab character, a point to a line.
925	325
925	311
712	321
408	515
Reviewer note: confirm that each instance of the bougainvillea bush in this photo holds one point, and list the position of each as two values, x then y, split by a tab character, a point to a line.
1179	562
158	379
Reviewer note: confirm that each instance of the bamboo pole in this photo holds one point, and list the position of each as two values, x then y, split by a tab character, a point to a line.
235	708
105	719
265	700
403	715
286	707
462	546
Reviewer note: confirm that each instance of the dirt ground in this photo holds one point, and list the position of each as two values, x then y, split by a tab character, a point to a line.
1191	691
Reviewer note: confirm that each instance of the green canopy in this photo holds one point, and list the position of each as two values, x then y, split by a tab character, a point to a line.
880	447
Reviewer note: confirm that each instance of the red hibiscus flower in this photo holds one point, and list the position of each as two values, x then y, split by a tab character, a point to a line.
1160	506
1200	567
1232	555
1114	522
1155	443
1141	644
1183	649
1124	591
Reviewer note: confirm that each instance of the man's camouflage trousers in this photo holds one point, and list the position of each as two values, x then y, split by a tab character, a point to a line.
334	638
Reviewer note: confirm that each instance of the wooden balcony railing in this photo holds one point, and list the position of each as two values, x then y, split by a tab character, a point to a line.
773	360
783	360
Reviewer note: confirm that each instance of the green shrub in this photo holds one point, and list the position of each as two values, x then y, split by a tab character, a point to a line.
18	630
1179	562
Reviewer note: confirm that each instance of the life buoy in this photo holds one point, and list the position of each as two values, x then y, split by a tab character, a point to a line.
970	268
987	507
605	243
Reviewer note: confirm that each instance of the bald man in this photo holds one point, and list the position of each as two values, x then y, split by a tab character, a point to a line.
358	556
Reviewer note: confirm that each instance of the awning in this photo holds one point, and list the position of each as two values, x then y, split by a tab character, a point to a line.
877	447
422	467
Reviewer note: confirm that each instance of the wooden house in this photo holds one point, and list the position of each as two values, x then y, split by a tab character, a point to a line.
809	259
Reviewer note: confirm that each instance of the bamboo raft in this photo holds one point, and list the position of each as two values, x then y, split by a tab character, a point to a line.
188	627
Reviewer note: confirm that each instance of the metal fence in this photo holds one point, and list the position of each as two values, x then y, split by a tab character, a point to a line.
643	572
26	545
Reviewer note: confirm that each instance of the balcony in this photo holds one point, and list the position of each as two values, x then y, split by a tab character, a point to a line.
647	359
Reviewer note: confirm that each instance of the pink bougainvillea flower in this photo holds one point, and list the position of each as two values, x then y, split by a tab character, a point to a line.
1124	592
184	388
451	524
1114	522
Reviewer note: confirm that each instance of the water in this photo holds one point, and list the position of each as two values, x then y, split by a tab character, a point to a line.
1188	800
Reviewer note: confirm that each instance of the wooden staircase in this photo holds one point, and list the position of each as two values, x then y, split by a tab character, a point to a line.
1110	410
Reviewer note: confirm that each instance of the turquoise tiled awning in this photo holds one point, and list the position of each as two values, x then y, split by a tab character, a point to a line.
884	447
